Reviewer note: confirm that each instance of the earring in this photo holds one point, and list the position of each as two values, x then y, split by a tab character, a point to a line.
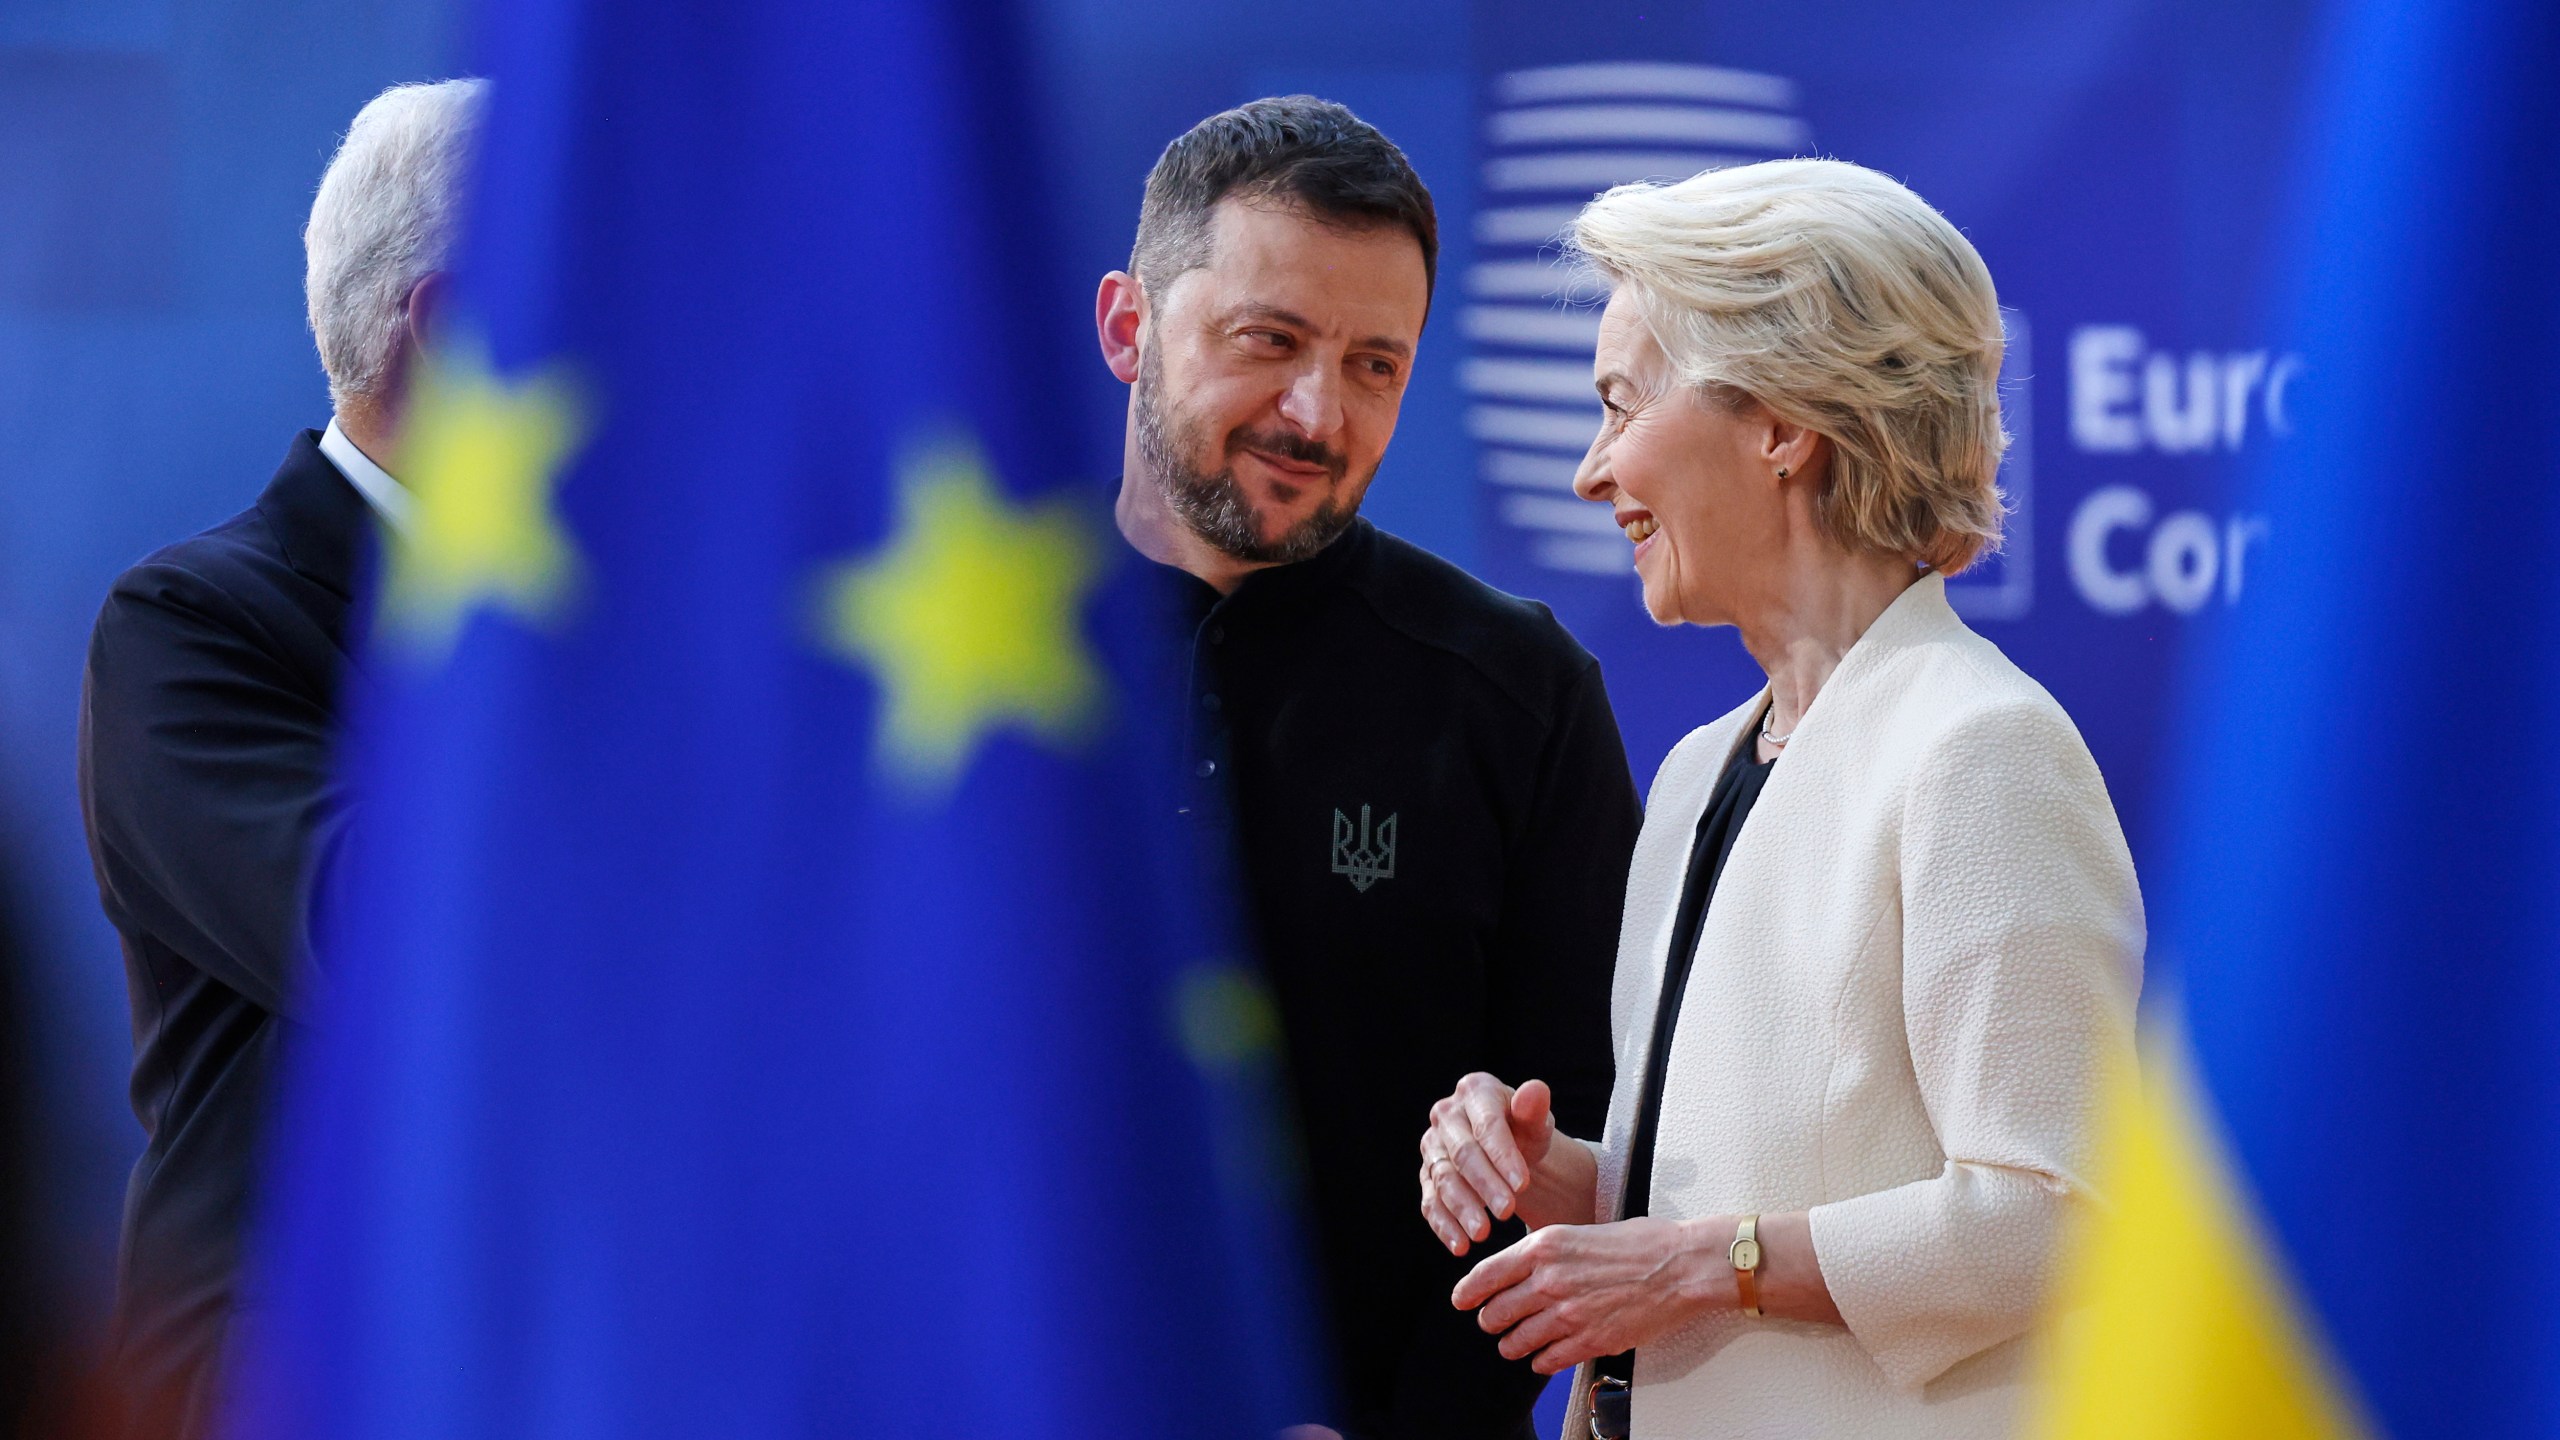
1782	472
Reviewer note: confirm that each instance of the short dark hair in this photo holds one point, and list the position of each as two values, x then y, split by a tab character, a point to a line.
1294	148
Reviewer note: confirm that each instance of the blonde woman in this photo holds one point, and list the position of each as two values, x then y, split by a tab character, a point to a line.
1881	930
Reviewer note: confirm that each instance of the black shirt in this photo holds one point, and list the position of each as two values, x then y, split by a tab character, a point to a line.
1434	818
1737	790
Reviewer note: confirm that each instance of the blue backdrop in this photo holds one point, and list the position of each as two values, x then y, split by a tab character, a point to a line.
2118	162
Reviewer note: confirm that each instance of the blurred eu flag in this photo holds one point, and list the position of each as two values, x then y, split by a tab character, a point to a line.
773	997
2333	1200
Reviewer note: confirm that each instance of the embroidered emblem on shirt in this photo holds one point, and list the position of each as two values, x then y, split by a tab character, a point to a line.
1365	856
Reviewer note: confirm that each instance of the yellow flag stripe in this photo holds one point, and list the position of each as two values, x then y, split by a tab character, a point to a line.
2174	1318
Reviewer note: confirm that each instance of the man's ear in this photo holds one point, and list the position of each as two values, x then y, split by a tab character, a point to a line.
425	311
1119	318
422	317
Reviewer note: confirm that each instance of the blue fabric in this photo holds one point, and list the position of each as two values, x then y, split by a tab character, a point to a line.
2366	900
681	1073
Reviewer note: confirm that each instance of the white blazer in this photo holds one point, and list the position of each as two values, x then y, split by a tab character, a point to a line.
1926	942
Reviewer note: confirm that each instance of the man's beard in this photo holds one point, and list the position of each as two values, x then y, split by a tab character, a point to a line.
1214	505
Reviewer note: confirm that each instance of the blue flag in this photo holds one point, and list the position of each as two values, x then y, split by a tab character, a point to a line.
2332	1212
775	995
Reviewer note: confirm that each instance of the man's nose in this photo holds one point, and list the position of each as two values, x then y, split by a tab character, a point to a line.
1313	403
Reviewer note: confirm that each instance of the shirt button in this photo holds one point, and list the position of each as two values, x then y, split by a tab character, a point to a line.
1208	768
1209	702
1217	634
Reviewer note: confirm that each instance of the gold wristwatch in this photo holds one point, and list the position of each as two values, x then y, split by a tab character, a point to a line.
1745	1256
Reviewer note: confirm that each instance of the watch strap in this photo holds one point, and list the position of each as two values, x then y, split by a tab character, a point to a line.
1745	1255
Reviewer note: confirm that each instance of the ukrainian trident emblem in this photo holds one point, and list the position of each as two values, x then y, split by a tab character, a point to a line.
1366	857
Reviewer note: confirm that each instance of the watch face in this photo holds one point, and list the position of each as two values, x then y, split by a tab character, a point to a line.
1746	1254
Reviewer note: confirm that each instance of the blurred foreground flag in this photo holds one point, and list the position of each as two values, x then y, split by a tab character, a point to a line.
771	997
2333	1201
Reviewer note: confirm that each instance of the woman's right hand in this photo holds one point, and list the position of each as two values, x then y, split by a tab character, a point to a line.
1492	1152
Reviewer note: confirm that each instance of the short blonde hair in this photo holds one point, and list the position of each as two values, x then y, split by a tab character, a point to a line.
1840	300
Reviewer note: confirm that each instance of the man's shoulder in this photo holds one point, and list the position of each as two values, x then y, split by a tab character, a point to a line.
234	582
1516	644
292	548
234	566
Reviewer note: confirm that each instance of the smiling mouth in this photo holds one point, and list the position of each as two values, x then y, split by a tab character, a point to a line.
1640	527
1296	470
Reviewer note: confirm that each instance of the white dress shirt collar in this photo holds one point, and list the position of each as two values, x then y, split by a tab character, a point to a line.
387	496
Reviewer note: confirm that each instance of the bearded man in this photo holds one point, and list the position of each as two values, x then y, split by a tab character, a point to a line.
1425	784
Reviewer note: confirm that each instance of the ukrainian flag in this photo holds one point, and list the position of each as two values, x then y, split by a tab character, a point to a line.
775	996
2333	1191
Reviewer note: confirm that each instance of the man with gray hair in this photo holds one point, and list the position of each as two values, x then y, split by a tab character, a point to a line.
208	717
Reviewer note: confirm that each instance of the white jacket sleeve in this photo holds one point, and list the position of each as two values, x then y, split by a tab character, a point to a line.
2021	959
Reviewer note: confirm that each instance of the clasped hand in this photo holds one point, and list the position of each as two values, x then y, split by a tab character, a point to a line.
1572	1290
1570	1293
1493	1152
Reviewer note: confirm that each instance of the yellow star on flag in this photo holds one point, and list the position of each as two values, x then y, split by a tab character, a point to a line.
480	456
970	617
1224	1016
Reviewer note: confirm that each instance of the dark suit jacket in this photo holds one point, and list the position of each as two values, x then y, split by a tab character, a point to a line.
207	720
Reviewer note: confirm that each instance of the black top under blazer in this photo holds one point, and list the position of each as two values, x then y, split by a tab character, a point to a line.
207	721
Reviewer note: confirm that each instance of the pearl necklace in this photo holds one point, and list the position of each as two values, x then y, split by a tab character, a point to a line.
1780	741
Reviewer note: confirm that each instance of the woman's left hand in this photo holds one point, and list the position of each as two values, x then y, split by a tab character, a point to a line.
1570	1293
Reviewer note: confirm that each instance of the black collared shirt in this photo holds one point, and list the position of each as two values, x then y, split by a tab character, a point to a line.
1434	819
